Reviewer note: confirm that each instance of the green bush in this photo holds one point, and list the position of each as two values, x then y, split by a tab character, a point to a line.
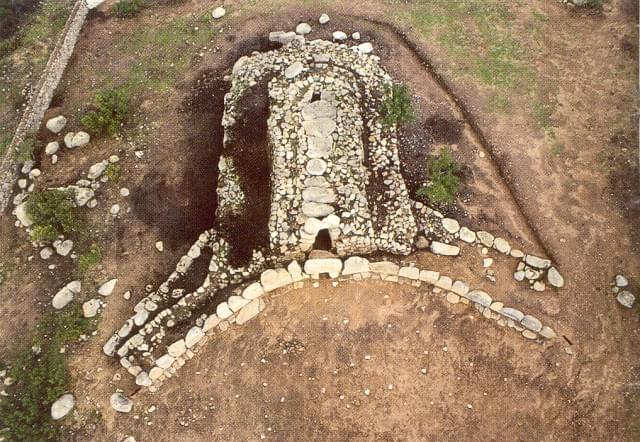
53	213
397	107
41	378
126	8
112	111
444	181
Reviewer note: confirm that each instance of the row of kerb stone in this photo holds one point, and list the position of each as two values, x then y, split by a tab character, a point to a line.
250	301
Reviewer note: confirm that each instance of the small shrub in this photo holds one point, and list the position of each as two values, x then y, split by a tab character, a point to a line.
444	181
41	378
397	107
53	213
112	110
126	8
113	172
88	260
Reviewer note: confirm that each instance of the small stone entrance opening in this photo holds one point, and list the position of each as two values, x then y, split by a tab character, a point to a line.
315	97
323	241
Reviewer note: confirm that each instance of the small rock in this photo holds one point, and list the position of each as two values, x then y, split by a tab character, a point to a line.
52	148
115	209
555	278
121	403
626	298
63	405
218	13
107	288
294	70
621	281
324	19
355	36
160	246
46	253
63	248
303	29
90	308
422	242
339	36
56	124
124	192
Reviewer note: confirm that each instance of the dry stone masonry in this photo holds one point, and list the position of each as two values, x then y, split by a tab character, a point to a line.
334	171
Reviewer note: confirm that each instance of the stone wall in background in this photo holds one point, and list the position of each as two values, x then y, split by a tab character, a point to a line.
41	97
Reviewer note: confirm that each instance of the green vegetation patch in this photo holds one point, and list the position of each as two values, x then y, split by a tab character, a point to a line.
111	113
113	172
25	149
444	181
397	108
40	377
127	8
88	260
53	213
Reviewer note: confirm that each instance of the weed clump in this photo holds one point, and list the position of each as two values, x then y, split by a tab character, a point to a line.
111	113
126	8
397	107
444	181
53	213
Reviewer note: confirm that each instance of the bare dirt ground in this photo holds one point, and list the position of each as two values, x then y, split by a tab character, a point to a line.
579	207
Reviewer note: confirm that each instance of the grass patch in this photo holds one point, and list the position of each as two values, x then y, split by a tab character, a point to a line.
477	35
88	260
444	181
53	213
41	378
542	113
24	150
127	8
113	172
557	148
160	54
397	108
111	113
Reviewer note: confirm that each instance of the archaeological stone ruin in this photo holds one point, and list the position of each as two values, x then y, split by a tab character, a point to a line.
334	195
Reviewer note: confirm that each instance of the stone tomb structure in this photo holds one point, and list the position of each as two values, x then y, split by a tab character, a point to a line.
335	182
335	165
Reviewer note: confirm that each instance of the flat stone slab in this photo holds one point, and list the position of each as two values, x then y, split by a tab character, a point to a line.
555	278
273	279
532	323
316	181
294	70
316	166
319	147
386	268
317	210
537	262
318	109
479	297
250	311
322	127
253	291
332	266
356	264
319	195
440	248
